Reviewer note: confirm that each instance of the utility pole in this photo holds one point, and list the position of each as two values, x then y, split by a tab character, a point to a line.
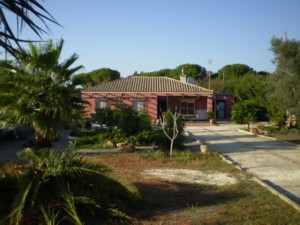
285	37
209	73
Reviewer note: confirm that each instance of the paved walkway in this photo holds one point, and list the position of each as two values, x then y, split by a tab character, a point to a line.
276	163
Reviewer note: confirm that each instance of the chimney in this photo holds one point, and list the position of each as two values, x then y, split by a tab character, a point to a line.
182	76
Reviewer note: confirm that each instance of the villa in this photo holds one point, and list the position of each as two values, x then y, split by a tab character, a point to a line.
155	95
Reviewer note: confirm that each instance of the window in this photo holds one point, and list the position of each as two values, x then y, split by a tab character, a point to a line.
187	107
138	105
101	103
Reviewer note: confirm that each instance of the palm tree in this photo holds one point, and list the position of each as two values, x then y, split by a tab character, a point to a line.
37	91
25	11
62	187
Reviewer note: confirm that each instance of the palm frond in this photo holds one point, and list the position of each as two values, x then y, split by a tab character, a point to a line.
27	12
50	217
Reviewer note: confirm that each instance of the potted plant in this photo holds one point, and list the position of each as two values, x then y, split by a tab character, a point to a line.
203	146
210	117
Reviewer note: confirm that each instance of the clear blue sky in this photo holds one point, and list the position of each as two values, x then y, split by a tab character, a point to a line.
149	35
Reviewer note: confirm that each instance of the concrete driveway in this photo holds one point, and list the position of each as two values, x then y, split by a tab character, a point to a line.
276	163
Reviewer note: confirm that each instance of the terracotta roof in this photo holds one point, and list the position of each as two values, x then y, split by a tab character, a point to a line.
146	84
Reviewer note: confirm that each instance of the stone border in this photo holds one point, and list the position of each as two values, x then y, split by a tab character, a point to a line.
271	138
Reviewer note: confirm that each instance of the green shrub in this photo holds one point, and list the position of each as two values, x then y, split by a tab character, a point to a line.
117	136
128	121
107	116
98	140
144	121
65	188
271	129
147	137
284	130
86	140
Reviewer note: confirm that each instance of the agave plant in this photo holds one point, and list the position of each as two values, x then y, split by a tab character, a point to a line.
62	187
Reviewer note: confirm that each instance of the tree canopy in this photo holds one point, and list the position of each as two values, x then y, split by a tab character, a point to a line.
284	86
96	77
234	70
190	70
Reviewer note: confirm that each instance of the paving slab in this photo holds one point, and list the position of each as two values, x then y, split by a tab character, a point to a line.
276	163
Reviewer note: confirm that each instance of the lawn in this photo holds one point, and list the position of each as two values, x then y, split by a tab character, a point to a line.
178	202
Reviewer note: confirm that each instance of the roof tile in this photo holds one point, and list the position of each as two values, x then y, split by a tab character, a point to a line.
146	84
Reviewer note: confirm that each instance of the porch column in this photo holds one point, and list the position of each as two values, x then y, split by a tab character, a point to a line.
210	102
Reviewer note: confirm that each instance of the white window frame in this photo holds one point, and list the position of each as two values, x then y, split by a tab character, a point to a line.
187	108
138	104
101	103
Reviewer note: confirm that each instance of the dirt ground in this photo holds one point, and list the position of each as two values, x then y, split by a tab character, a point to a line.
191	176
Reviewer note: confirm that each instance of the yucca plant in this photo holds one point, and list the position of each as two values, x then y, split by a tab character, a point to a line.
62	187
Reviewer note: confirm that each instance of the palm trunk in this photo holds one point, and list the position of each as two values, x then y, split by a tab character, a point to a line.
41	142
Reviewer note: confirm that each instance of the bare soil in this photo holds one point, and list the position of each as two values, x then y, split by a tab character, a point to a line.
202	191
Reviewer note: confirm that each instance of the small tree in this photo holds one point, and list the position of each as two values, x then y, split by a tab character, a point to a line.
244	112
170	128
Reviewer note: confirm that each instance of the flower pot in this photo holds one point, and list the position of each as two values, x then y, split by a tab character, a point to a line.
204	148
253	130
211	122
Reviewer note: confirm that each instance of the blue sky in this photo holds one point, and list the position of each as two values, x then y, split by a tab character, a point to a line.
149	35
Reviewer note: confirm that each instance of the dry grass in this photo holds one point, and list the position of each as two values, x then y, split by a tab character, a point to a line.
179	203
290	137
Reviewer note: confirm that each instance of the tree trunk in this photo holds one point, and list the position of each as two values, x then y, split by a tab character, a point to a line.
171	148
41	142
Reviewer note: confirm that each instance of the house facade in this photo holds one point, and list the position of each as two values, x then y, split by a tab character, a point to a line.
155	95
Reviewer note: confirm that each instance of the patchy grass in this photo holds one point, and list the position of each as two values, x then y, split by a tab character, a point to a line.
245	202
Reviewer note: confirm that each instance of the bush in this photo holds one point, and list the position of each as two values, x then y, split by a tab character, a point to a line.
147	137
117	136
65	188
271	129
98	139
144	121
128	121
86	140
107	116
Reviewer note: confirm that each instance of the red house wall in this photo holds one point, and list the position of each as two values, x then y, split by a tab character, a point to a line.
150	101
201	103
229	101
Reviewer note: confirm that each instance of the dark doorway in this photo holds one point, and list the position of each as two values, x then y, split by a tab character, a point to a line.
161	107
221	109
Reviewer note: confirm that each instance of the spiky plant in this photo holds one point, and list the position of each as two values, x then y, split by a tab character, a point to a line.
62	187
37	91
